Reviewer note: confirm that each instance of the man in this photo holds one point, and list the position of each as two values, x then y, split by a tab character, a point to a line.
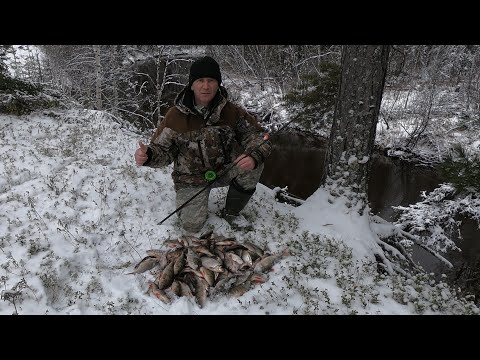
203	134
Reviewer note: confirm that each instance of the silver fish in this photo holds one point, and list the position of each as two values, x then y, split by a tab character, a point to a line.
173	243
258	278
176	288
240	279
253	248
267	262
212	264
193	260
208	275
147	263
158	293
246	257
155	252
231	265
218	251
202	249
165	279
236	258
185	289
188	240
172	255
239	290
161	257
179	264
201	288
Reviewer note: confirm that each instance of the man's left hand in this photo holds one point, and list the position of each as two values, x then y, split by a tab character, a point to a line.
245	162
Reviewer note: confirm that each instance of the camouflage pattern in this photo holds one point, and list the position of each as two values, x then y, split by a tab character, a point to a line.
194	214
197	142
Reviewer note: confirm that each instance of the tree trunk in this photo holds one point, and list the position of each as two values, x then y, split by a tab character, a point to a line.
39	67
161	77
353	130
98	78
114	54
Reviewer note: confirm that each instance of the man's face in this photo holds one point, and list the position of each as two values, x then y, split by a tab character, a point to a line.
204	90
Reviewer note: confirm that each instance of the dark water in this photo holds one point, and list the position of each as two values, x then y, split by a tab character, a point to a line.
297	161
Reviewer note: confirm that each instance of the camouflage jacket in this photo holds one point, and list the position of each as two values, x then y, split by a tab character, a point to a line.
197	142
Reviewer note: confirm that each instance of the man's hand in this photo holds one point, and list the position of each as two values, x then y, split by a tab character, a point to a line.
245	162
141	154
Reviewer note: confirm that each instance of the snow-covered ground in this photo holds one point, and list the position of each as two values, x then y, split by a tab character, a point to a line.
76	215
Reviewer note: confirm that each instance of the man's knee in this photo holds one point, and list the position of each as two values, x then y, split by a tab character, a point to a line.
192	219
191	226
194	215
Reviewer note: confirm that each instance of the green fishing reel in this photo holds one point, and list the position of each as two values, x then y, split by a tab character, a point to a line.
210	175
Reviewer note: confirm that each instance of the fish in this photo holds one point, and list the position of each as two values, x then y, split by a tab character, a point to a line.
147	263
185	289
230	264
187	240
240	279
218	251
201	287
206	235
165	279
246	257
179	264
202	249
190	280
173	243
212	264
236	258
176	288
161	257
226	242
253	248
224	284
223	275
239	290
208	275
155	252
234	247
193	260
257	278
174	254
196	272
158	293
266	263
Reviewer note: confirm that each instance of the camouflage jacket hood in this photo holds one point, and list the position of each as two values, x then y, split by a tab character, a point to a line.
184	103
196	143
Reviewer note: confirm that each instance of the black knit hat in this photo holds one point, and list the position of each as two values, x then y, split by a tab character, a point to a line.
205	67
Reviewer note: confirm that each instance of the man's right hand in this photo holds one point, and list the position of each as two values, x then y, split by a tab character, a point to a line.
141	154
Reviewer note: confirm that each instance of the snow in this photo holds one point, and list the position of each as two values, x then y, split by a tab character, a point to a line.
76	215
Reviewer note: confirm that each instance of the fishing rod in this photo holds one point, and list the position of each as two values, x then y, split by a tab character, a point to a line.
212	177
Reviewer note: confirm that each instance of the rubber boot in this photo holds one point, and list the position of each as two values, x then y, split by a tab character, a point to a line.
237	199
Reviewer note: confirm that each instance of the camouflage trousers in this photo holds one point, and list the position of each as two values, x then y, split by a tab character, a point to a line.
194	215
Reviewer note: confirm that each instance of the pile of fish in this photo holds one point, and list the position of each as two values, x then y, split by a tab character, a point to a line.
206	266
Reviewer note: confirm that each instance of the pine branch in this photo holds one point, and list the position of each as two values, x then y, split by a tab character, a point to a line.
395	230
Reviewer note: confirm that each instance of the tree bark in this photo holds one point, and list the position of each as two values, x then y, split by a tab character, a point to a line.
98	78
353	130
